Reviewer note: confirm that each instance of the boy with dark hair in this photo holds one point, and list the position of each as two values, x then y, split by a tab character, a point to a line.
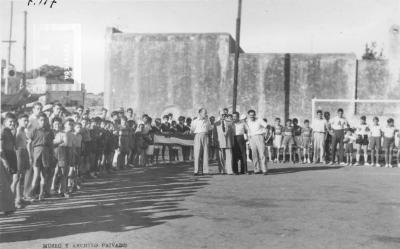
77	150
61	152
388	141
7	149
278	130
22	153
124	142
86	140
287	142
41	140
306	141
375	138
362	131
297	139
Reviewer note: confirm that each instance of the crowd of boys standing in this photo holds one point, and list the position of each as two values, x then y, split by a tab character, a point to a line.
51	152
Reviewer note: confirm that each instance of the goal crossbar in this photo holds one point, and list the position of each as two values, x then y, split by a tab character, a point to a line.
355	101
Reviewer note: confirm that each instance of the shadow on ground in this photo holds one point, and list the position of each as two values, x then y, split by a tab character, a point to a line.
276	171
123	201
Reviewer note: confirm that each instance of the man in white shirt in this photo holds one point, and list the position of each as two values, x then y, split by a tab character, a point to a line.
319	127
239	145
201	127
338	125
256	129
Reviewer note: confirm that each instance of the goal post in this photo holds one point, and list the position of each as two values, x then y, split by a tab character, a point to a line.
354	108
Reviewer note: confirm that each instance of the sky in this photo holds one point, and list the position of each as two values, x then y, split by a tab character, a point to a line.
268	26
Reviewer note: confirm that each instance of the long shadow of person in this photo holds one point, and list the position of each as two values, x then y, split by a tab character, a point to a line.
124	201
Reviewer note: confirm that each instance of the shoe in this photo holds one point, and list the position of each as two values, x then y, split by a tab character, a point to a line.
330	163
265	173
356	164
367	164
276	161
377	165
386	165
308	161
67	195
41	197
18	205
390	165
343	164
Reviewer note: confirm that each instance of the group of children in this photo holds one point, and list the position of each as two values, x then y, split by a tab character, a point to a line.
50	152
298	141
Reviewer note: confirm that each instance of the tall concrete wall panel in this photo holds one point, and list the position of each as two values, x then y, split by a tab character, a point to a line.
260	84
323	76
375	81
152	73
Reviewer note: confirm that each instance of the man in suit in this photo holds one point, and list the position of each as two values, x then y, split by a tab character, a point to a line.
224	131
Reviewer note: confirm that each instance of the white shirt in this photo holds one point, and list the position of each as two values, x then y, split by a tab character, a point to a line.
256	127
376	131
389	131
319	125
362	129
338	123
200	126
240	128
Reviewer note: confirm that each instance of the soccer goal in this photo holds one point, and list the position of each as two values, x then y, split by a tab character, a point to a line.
355	108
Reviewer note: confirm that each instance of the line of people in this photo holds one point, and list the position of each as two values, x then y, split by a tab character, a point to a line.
233	141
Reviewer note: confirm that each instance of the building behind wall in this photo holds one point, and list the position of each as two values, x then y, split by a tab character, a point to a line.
68	94
179	73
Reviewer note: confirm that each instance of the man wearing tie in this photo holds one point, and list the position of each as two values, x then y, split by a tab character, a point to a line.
201	127
225	143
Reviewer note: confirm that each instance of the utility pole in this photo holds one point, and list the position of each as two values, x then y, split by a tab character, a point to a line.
10	42
237	51
25	27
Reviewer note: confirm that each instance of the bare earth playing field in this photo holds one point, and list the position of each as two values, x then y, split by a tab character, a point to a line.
167	207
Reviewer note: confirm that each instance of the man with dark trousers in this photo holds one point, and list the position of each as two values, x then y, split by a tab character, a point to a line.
338	124
239	145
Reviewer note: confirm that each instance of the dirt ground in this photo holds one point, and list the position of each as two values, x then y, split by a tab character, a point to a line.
296	206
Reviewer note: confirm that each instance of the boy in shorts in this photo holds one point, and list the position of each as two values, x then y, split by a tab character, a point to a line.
297	139
362	131
77	150
375	142
277	139
288	140
41	140
269	140
61	154
7	149
388	141
69	133
306	141
124	142
349	140
23	163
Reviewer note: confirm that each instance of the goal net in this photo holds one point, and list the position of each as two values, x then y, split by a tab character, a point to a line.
355	108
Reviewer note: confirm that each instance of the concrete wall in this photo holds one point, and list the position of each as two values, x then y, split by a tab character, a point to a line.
375	81
179	73
260	84
154	72
323	76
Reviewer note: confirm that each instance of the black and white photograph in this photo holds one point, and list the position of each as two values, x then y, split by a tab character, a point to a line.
192	124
